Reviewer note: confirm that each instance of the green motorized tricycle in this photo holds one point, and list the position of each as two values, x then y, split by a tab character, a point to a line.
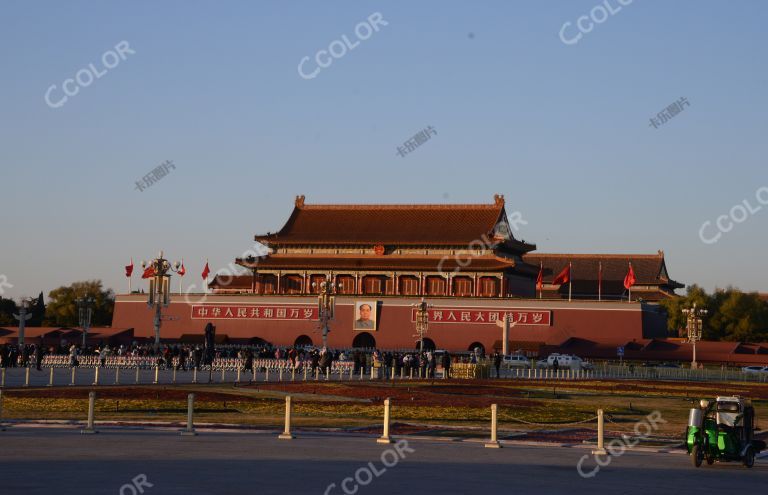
723	430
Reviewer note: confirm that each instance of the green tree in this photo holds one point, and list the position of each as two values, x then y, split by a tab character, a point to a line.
62	309
7	310
740	317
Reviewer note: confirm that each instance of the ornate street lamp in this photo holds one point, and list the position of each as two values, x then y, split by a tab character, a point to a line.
694	325
422	321
159	288
326	303
23	316
84	313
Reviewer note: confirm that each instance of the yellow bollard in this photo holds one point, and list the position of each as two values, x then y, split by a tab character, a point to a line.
2	428
600	434
26	377
157	374
89	429
137	374
384	438
286	434
96	376
190	431
117	375
494	443
50	378
72	382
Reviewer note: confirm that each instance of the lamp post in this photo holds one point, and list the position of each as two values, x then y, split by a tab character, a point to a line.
422	321
326	303
84	312
159	288
22	317
694	326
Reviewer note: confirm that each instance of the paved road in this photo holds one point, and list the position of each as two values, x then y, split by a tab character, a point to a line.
62	461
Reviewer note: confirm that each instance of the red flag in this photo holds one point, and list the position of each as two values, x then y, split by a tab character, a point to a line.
129	269
149	272
206	271
629	279
540	278
182	270
563	277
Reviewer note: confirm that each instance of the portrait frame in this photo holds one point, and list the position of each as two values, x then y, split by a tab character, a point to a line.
365	321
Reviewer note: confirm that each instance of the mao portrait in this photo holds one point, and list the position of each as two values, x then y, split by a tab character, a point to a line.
365	315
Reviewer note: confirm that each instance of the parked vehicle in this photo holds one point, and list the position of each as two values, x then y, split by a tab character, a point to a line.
517	361
755	369
564	361
723	430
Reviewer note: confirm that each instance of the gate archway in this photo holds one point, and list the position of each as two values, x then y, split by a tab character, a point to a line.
364	340
302	341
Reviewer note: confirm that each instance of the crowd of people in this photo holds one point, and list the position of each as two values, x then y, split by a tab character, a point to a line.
189	356
12	356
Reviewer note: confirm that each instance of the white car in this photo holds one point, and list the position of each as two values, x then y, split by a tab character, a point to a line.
564	362
755	369
517	361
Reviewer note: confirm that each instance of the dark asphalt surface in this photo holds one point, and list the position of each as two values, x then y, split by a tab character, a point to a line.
62	461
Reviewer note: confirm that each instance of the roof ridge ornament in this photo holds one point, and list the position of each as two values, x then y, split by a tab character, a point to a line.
498	199
300	201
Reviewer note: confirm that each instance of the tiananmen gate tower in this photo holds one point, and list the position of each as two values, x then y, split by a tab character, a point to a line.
464	260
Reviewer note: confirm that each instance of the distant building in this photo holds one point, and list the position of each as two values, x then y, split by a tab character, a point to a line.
463	259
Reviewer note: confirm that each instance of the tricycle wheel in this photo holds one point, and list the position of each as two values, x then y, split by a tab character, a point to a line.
710	459
749	457
697	455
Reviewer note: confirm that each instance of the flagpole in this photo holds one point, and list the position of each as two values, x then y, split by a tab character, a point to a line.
181	276
541	271
570	279
600	281
630	287
129	277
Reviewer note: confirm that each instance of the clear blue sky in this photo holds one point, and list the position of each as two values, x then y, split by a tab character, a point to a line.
562	130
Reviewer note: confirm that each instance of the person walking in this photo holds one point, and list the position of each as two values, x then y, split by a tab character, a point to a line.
39	350
73	356
446	364
497	363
